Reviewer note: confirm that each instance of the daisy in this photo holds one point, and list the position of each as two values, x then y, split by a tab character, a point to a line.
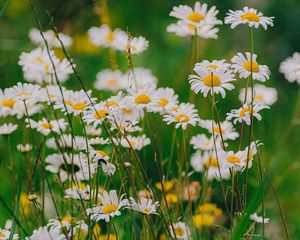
98	141
38	67
111	80
26	92
96	114
45	126
103	36
50	36
236	161
67	142
202	142
92	131
213	82
28	108
259	219
134	45
227	129
250	153
143	98
182	115
7	129
66	165
97	155
243	114
262	95
290	67
144	205
136	143
185	29
242	65
78	192
5	235
181	231
197	16
7	102
249	16
51	93
125	126
108	168
110	206
24	148
74	102
166	99
129	112
45	234
212	66
140	77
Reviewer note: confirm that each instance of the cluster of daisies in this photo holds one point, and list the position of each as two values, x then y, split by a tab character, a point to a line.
77	159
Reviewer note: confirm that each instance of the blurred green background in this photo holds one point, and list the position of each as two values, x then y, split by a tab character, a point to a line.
170	59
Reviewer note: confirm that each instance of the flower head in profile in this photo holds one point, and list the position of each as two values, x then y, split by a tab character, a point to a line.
136	143
202	142
46	126
109	208
111	80
214	82
249	16
243	114
24	148
132	45
290	67
182	115
7	129
181	231
245	65
144	205
259	219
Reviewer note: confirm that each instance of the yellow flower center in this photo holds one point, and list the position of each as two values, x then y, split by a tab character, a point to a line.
255	66
68	102
259	97
171	198
102	153
233	159
195	17
111	104
131	47
127	110
101	114
212	80
47	125
51	96
110	208
67	219
39	59
163	102
182	118
251	17
2	234
191	26
179	231
142	99
132	142
110	37
212	66
217	130
244	111
203	220
147	210
212	162
46	67
111	82
79	106
23	94
9	102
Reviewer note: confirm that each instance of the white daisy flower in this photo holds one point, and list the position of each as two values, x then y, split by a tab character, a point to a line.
139	78
28	109
7	102
213	82
92	131
66	165
51	93
198	16
167	99
259	219
111	80
236	161
249	16
110	206
202	142
243	114
37	67
67	142
5	235
242	65
103	36
129	111
98	141
45	234
45	126
50	36
24	148
183	115
137	143
212	66
227	129
208	163
181	231
144	205
108	168
135	45
97	155
250	153
185	29
78	191
26	92
7	129
125	126
74	102
143	98
290	67
262	95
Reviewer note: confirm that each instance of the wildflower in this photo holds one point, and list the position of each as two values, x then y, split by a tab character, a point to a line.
78	191
108	168
45	126
212	66
249	16
50	36
67	142
7	102
111	206
290	67
26	92
171	198
38	67
139	78
28	108
236	161
166	99
51	93
7	129
5	235
213	82
45	234
262	95
243	114
245	65
168	185
144	98
202	142
136	143
125	126
191	192
92	131
144	205
135	45
182	115
24	148
181	231
226	129
111	80
97	114
103	36
98	141
259	219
